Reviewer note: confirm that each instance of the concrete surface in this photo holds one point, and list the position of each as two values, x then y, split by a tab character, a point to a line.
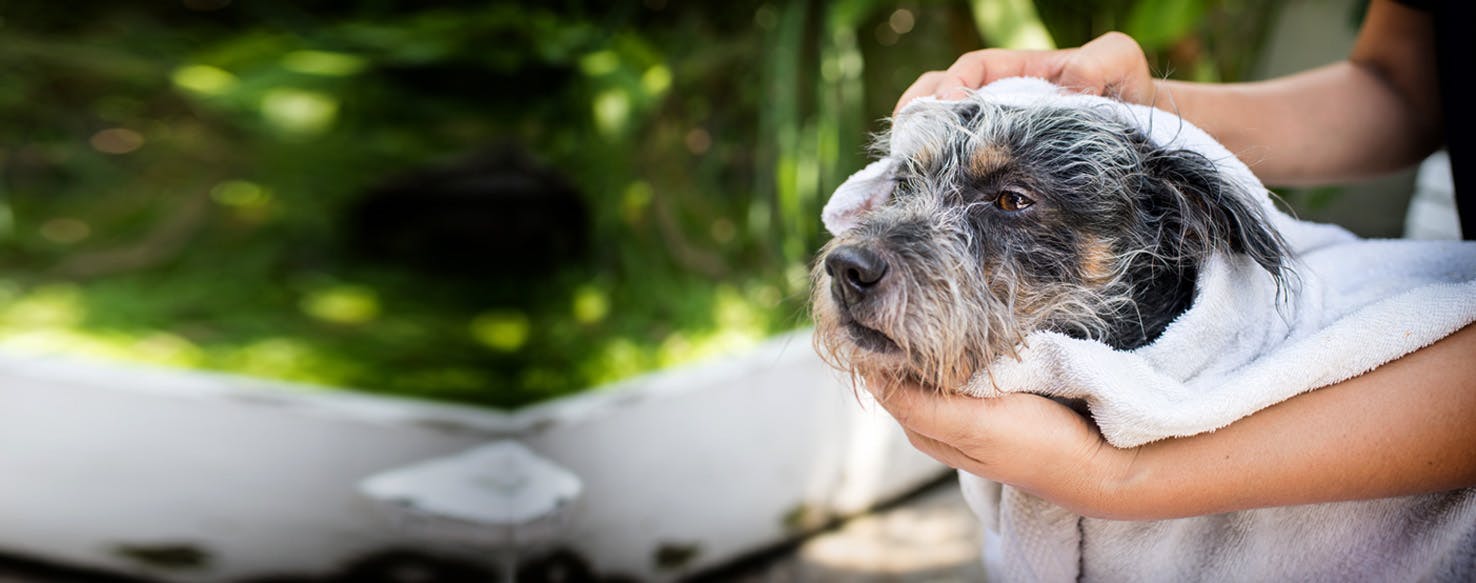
929	537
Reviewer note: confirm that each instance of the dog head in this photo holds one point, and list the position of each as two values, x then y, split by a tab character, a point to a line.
987	222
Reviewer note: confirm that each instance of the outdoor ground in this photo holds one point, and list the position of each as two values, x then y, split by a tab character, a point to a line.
928	537
931	536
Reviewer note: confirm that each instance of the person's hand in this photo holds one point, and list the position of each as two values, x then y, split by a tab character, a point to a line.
1403	428
1027	441
1112	65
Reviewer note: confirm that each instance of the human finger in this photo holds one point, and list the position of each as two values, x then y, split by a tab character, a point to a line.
1113	65
979	68
945	454
945	417
926	84
969	71
976	69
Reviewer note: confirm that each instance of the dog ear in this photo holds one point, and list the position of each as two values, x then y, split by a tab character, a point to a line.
1212	213
864	190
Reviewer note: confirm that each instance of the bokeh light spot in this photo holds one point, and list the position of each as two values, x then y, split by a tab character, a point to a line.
503	331
240	193
203	79
599	63
65	230
767	296
116	141
611	111
633	202
901	21
168	349
342	304
325	63
49	306
698	141
273	357
620	358
656	80
591	305
299	111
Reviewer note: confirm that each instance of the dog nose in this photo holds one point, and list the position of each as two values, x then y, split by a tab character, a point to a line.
854	271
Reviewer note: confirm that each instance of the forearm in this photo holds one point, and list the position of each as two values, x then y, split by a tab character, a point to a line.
1373	113
1407	427
1304	129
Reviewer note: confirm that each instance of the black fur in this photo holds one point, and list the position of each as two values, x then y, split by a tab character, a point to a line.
1104	238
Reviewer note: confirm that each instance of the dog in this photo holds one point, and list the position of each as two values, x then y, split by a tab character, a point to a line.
1005	220
1118	259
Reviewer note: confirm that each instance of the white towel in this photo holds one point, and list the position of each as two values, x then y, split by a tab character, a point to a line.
1360	304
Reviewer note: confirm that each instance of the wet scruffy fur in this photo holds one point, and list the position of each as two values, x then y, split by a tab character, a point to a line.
1008	220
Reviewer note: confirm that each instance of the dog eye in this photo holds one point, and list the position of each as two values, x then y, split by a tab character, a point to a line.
1010	200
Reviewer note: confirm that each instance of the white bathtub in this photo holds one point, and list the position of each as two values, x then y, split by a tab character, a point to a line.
193	476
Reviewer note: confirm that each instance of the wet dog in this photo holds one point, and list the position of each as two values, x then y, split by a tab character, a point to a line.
995	221
1115	257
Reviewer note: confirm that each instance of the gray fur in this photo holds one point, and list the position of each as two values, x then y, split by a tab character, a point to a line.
1108	250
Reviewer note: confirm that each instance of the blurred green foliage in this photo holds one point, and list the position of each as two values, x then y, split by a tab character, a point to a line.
175	177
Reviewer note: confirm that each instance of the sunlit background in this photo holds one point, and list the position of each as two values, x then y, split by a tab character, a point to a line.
493	203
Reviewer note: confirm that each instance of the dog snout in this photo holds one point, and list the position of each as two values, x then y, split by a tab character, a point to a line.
855	273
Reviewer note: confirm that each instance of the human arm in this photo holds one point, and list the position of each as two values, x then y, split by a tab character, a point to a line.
1407	427
1373	113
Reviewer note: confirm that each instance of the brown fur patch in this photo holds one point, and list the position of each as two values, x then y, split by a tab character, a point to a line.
1097	261
989	159
924	158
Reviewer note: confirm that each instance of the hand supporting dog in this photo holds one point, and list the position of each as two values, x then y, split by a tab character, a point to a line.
1320	123
1020	439
1402	429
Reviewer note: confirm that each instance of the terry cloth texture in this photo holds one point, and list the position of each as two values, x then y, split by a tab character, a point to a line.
1357	304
